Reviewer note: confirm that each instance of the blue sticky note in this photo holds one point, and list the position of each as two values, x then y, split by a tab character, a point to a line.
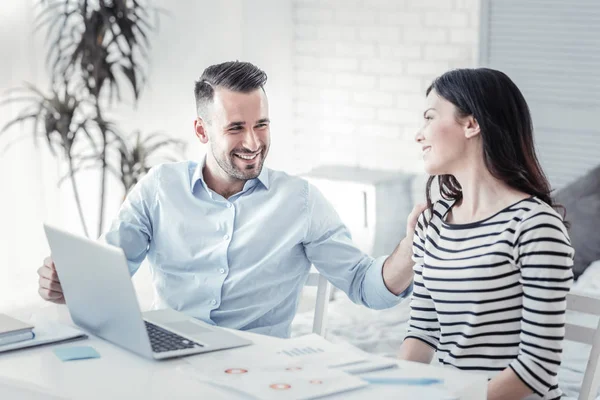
76	353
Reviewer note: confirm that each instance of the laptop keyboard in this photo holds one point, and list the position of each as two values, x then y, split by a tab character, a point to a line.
162	340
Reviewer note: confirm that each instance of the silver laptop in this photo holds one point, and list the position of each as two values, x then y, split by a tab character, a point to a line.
101	299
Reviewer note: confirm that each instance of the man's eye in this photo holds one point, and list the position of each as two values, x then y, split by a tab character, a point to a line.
263	125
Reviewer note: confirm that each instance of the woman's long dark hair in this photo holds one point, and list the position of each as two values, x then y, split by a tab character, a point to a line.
504	119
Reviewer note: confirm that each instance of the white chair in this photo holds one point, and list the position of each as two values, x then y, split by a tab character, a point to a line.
582	334
323	290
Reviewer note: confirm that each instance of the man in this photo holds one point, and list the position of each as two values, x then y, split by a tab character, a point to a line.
230	242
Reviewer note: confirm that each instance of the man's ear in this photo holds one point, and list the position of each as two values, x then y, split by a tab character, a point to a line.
471	127
200	129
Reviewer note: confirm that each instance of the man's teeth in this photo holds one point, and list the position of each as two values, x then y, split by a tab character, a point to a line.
247	157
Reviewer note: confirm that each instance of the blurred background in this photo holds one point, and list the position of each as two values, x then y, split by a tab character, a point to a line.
346	91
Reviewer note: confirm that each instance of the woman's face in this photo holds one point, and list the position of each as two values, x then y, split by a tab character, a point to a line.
442	137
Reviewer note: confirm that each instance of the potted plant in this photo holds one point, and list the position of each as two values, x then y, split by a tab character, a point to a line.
96	49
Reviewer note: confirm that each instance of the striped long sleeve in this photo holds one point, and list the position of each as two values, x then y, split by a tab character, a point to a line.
545	257
423	324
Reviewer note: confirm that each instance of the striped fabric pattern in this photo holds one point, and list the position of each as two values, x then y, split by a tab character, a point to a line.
492	294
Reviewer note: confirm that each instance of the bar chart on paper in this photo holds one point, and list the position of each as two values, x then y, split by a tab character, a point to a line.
314	349
301	351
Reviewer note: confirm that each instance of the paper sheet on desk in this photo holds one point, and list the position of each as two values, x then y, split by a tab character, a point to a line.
315	349
293	369
46	332
306	350
280	381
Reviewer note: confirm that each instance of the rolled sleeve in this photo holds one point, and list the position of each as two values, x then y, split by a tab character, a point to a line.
378	291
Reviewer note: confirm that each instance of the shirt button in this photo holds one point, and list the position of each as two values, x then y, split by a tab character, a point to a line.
213	302
226	237
222	270
228	205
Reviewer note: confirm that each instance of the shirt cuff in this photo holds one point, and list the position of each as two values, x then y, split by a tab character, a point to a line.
382	298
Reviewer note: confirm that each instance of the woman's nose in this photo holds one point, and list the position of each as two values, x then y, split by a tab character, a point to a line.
419	136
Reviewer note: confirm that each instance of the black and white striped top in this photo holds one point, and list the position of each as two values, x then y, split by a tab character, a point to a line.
492	294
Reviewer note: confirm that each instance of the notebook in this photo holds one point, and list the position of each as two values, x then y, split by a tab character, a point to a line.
47	332
13	330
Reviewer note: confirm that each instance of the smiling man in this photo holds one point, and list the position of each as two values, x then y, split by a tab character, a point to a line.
231	242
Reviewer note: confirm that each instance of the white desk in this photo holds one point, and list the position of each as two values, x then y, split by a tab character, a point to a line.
119	374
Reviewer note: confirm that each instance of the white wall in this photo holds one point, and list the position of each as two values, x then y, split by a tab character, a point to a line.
27	176
361	69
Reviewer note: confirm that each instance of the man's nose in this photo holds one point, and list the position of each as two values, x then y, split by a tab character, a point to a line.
251	141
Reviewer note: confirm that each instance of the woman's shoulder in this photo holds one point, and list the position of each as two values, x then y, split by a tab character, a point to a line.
436	214
440	209
535	208
540	218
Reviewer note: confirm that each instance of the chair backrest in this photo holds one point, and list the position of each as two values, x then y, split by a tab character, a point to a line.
323	290
582	334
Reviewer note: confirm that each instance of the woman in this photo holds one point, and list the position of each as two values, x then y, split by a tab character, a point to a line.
493	257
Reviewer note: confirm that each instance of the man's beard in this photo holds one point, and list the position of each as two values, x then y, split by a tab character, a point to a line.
250	171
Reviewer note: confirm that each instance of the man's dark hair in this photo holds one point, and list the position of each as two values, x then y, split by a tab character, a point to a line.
237	76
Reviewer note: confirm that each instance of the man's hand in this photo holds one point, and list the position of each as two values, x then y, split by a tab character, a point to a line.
398	268
49	285
411	221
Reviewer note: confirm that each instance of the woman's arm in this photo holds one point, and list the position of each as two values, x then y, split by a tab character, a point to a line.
416	350
545	257
507	386
424	329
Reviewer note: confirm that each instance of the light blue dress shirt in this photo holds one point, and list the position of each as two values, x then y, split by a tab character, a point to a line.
241	262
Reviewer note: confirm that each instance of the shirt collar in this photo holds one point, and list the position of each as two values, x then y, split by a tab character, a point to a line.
263	178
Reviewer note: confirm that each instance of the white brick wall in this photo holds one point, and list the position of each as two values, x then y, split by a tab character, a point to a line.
361	68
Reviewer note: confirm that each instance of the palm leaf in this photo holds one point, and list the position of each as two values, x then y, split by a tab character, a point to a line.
11	144
104	49
18	120
82	126
54	114
70	175
136	153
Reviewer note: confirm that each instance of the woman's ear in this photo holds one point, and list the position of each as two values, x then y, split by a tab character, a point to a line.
200	129
471	127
